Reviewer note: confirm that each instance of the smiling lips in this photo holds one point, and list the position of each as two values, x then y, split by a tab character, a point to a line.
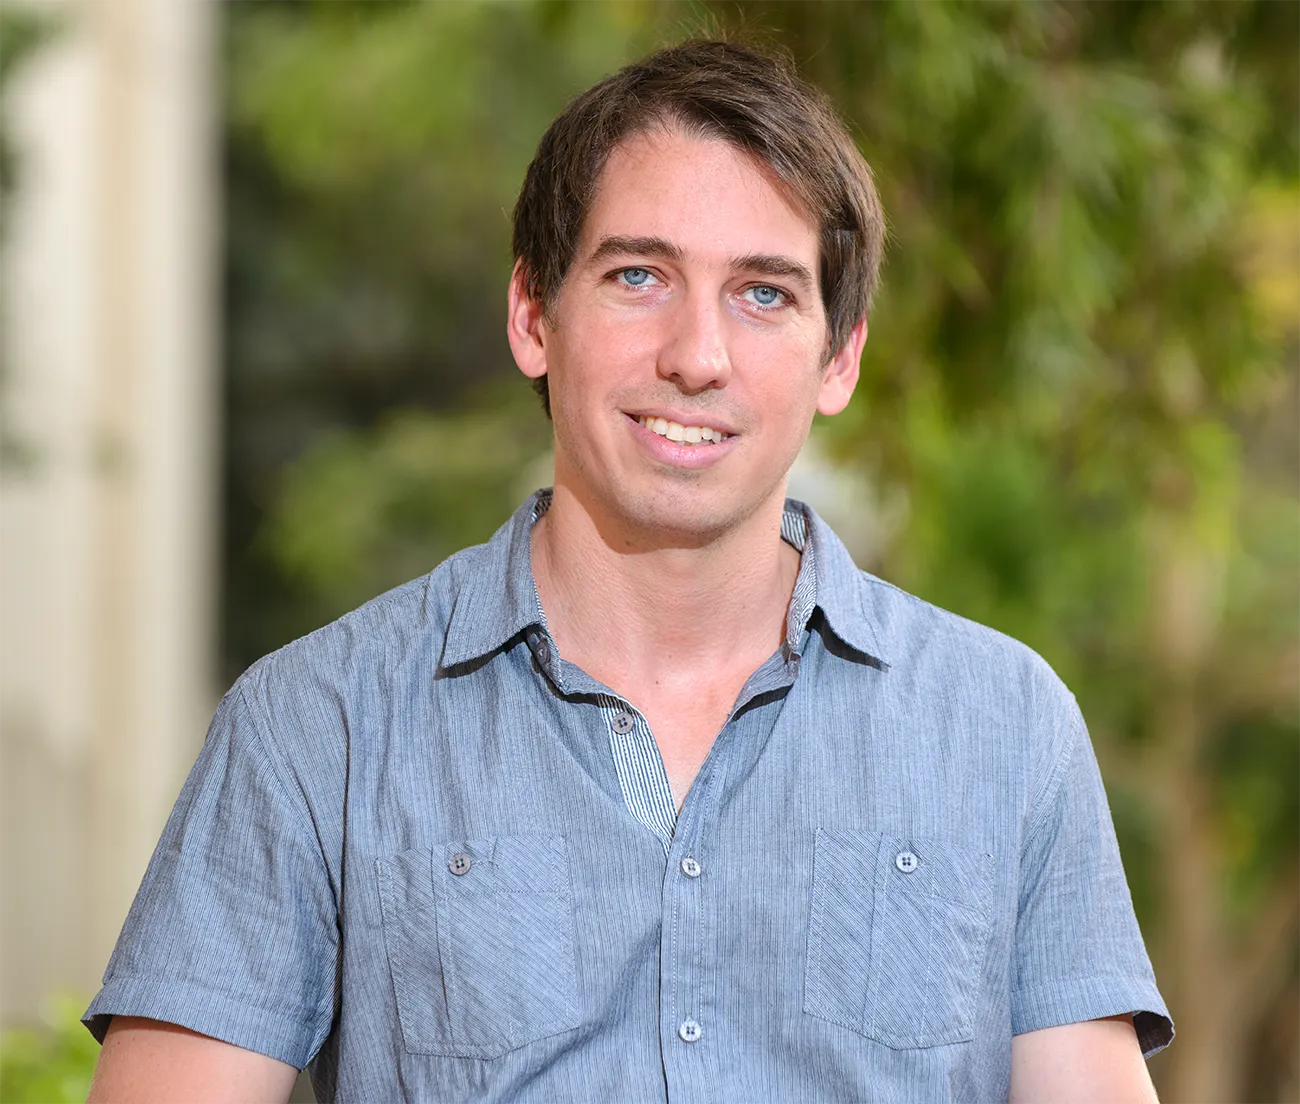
683	435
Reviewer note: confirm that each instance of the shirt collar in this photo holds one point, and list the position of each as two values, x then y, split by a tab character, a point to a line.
841	588
497	599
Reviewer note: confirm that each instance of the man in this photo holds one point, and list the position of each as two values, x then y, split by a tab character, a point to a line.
655	796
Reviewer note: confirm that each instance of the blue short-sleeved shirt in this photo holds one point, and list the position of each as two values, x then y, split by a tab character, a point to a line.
425	854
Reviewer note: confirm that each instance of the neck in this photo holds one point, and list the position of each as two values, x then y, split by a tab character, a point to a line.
627	608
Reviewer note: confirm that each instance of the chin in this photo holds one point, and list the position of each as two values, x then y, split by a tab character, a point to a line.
686	518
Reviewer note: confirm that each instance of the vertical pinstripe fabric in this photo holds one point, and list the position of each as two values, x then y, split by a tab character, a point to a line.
641	774
424	853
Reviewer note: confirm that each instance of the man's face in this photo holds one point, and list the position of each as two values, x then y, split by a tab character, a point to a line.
692	306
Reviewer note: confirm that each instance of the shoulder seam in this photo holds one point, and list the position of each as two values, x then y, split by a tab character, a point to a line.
1040	805
263	743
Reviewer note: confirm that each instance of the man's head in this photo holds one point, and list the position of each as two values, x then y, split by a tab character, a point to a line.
697	245
707	90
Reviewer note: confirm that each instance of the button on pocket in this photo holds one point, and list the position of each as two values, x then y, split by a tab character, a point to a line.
898	932
480	942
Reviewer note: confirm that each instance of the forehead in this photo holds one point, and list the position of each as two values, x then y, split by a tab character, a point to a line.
701	193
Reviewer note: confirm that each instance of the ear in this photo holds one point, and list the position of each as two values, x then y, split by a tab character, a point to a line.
525	327
840	376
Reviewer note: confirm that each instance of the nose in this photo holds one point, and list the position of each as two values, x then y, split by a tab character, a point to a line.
694	355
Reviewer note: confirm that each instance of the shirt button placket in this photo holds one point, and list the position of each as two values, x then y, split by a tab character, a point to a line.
688	1059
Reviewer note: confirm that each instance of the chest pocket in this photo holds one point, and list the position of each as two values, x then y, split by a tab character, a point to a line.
480	942
897	938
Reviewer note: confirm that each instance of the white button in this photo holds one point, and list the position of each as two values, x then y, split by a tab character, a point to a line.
690	1031
906	861
460	863
623	723
690	867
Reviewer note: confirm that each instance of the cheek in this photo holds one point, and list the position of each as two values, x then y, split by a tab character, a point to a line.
791	363
608	353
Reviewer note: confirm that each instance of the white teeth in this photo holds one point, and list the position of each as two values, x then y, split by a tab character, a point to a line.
675	431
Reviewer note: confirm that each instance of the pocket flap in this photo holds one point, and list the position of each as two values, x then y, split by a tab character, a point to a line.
930	867
506	864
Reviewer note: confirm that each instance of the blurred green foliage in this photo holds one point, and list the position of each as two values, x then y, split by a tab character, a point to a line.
51	1063
361	509
1081	377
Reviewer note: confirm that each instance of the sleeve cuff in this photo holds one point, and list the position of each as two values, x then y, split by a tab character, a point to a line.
1092	999
209	1012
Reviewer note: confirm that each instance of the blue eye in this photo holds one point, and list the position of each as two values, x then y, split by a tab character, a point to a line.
635	276
766	296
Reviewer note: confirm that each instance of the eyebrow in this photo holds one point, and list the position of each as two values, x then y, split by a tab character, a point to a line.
770	264
621	245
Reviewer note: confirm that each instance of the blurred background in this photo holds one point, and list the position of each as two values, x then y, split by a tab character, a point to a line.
253	371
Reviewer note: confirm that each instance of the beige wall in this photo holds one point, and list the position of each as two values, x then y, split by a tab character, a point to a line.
108	486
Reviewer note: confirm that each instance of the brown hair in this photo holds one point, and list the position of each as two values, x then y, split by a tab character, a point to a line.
753	100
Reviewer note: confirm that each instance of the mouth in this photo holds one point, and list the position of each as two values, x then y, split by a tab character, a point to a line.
695	435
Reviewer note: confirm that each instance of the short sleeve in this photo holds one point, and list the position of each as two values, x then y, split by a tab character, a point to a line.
1079	954
234	930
